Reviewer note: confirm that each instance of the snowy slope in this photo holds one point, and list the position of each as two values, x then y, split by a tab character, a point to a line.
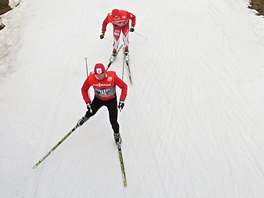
193	121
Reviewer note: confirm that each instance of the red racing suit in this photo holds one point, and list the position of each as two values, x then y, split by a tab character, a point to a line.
121	25
104	89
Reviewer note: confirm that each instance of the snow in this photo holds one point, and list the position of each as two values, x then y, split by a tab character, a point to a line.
192	125
14	3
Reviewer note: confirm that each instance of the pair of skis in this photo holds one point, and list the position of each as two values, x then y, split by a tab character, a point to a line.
125	63
67	135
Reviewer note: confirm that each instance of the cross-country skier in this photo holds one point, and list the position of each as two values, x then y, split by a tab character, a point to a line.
120	20
104	84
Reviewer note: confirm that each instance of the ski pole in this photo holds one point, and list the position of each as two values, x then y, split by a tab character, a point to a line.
108	39
64	138
141	35
124	61
86	66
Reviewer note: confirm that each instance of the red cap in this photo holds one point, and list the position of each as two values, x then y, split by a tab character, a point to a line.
115	13
99	69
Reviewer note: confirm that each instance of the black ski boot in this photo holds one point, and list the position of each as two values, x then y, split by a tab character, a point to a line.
118	138
82	120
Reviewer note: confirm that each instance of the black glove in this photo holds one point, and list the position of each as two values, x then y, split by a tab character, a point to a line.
132	29
121	104
89	108
102	35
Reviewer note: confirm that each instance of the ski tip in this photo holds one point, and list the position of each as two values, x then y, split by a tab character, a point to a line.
35	166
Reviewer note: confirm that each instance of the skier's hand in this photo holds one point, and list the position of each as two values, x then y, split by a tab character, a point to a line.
89	107
132	29
102	35
121	104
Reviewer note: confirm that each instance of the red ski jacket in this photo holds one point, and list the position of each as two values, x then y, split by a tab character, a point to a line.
125	16
104	89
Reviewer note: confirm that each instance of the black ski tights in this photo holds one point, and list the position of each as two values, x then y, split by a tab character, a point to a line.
112	110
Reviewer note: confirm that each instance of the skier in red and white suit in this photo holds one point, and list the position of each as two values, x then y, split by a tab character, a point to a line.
120	20
104	84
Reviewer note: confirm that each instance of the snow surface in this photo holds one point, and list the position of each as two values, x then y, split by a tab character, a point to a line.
192	125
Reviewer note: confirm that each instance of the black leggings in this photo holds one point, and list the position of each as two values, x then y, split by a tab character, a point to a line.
112	110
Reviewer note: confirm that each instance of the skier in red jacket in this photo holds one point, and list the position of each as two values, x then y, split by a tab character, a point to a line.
104	84
120	20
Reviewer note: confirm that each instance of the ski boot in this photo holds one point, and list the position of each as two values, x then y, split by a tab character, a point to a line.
126	56
118	138
113	56
82	120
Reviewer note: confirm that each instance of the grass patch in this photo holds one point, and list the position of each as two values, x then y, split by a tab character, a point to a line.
257	5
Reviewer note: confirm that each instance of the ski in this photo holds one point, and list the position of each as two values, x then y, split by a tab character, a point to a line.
113	58
128	68
79	123
122	165
53	148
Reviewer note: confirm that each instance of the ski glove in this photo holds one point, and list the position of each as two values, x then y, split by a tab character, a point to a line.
102	35
121	104
89	108
132	29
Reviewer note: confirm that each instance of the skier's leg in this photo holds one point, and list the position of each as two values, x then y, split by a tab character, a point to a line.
116	35
125	31
96	105
113	114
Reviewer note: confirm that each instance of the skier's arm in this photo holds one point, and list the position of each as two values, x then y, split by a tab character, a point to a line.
133	19
105	22
85	88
